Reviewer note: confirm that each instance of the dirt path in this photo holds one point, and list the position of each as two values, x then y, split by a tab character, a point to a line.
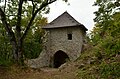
64	72
49	73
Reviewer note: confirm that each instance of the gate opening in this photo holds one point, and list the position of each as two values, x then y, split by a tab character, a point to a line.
60	58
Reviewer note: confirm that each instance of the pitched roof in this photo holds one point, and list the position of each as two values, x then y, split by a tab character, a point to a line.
64	20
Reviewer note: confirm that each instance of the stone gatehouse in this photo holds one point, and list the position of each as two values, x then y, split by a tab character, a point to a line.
64	40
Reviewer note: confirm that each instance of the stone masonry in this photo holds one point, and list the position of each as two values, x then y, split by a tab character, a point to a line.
63	34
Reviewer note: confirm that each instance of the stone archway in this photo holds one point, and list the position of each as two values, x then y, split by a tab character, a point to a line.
60	58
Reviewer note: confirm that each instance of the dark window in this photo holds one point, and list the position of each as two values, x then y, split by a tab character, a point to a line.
69	36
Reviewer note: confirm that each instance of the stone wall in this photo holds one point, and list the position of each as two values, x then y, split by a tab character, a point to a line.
57	39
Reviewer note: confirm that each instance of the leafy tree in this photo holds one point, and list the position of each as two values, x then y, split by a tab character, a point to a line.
17	17
105	14
5	48
106	38
106	32
34	40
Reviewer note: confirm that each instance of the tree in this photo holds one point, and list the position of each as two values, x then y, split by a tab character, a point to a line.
33	44
106	32
104	15
106	37
5	48
12	16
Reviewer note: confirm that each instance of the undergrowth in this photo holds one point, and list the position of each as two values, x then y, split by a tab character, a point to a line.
97	65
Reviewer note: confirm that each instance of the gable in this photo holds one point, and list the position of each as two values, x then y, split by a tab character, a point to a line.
64	20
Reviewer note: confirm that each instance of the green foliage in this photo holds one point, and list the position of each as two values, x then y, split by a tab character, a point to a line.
107	47
106	33
32	49
110	70
5	49
88	69
105	38
102	61
33	44
34	40
85	74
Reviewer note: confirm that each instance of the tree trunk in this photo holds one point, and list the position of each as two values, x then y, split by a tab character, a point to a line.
17	52
20	52
16	39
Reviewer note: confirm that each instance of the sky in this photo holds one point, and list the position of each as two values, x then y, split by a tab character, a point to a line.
81	10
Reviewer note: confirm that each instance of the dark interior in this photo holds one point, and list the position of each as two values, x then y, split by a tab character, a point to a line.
60	58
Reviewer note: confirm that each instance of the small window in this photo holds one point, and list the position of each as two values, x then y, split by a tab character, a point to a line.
69	36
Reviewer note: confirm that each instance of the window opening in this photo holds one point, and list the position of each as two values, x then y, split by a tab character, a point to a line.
69	36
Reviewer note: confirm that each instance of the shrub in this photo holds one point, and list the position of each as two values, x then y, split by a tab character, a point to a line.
111	70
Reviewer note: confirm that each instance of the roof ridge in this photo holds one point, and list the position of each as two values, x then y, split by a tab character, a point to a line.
59	16
65	19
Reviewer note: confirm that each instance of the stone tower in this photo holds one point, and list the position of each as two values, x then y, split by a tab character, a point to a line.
64	41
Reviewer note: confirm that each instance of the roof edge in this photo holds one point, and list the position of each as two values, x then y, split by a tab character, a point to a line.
66	26
79	24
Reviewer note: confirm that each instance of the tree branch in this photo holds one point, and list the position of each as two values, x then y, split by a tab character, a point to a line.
5	5
33	16
33	7
7	27
18	25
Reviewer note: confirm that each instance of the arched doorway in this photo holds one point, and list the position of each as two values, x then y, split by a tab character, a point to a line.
60	58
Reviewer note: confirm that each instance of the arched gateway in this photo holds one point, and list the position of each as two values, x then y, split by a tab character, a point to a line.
64	33
60	58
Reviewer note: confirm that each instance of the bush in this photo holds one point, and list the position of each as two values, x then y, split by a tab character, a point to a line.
32	50
110	71
33	44
5	52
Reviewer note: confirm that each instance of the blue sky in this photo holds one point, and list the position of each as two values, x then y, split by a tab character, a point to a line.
81	10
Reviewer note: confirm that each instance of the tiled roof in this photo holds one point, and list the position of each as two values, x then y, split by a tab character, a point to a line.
64	20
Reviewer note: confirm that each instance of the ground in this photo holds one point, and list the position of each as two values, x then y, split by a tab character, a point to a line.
66	71
82	68
87	66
